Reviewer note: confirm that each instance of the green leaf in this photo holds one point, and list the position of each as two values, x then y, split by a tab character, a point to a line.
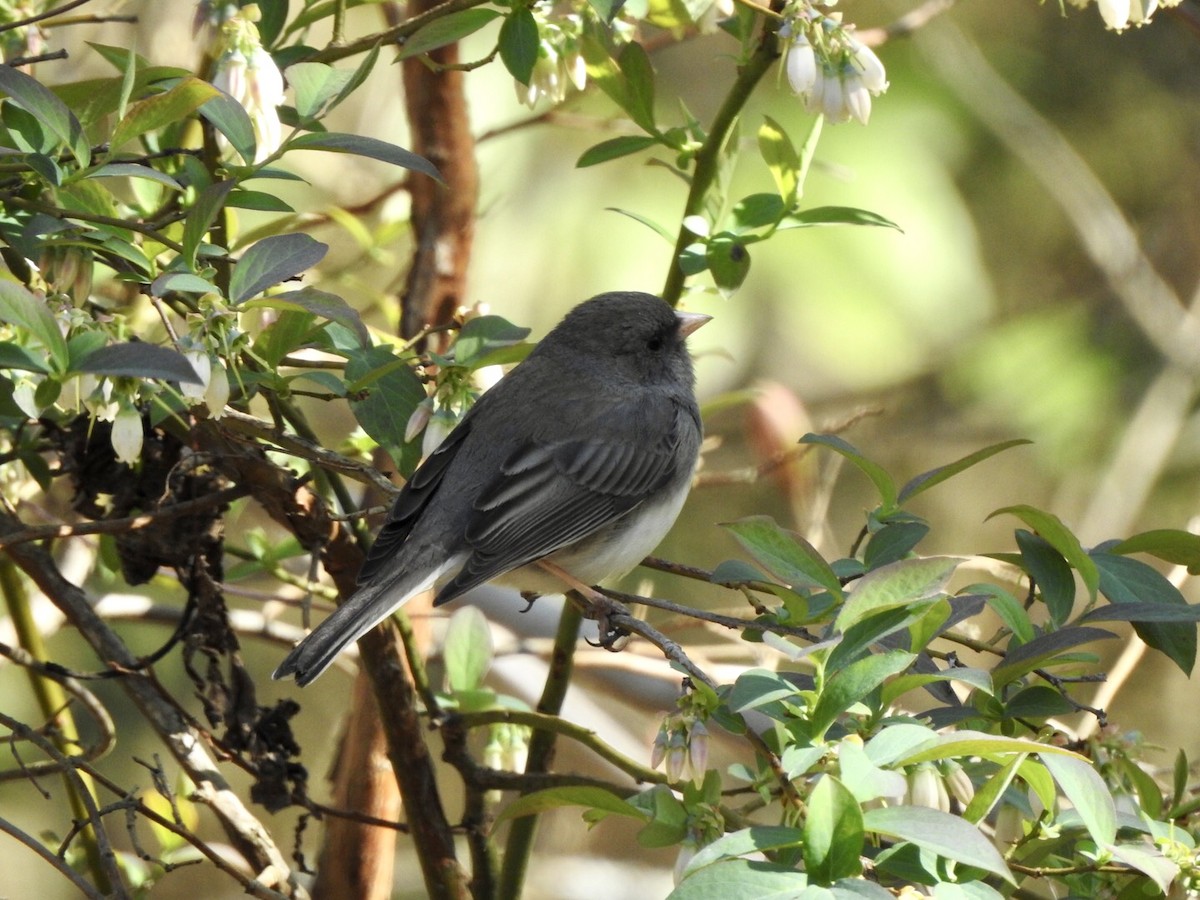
1051	528
635	65
1042	651
335	142
980	679
941	833
893	542
184	282
1150	862
1088	793
614	149
14	356
259	200
314	85
445	30
20	308
384	404
1007	607
467	650
784	554
881	479
38	100
758	687
741	879
781	159
835	215
272	260
967	743
231	119
554	798
756	211
1051	574
853	683
729	262
896	585
926	480
319	303
1038	701
756	839
164	109
833	832
519	43
990	792
137	359
200	218
1144	612
649	223
133	170
482	335
1182	548
1128	581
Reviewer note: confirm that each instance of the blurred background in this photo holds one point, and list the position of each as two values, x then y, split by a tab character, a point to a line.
1046	175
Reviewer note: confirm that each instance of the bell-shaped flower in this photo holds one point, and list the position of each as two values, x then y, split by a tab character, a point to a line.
801	65
127	435
1115	13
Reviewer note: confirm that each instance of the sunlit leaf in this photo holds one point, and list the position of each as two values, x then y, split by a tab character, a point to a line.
948	836
273	260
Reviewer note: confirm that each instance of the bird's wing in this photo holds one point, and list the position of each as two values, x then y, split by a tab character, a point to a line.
551	494
411	502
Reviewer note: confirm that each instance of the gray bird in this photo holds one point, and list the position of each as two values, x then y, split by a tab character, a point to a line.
581	456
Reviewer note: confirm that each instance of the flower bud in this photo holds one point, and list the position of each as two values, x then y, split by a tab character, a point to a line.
677	755
698	750
925	787
203	365
801	65
658	751
217	394
960	784
127	435
1115	13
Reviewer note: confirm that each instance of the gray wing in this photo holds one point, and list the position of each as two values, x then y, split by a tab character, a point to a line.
411	502
551	494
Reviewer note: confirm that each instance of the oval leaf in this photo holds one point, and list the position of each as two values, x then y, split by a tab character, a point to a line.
138	359
272	260
938	832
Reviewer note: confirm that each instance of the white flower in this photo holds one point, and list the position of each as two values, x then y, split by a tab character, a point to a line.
217	394
857	98
127	435
203	365
247	73
868	66
1115	13
1140	11
833	99
801	65
548	78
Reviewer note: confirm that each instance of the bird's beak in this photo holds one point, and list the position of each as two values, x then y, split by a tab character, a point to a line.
689	322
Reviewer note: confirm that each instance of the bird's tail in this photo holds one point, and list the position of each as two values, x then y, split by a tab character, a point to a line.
370	605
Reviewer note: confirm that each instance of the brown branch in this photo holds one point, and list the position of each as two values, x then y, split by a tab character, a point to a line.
59	864
443	215
128	523
244	830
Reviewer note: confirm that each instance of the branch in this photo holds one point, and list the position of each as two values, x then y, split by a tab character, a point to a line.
129	523
246	833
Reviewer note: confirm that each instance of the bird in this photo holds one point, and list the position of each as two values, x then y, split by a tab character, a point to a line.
580	458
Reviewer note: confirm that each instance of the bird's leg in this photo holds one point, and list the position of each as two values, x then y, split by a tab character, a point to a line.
599	607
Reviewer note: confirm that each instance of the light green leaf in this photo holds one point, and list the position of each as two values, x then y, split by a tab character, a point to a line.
554	798
231	119
741	879
781	158
833	832
445	30
467	651
881	479
835	215
614	149
38	100
164	109
784	554
320	303
897	584
1182	548
756	839
1087	792
20	308
926	480
1051	528
853	683
948	836
315	84
200	218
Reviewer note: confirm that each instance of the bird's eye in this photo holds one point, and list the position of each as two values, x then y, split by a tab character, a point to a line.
655	344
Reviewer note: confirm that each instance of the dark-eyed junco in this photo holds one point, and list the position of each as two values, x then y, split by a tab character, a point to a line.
581	457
